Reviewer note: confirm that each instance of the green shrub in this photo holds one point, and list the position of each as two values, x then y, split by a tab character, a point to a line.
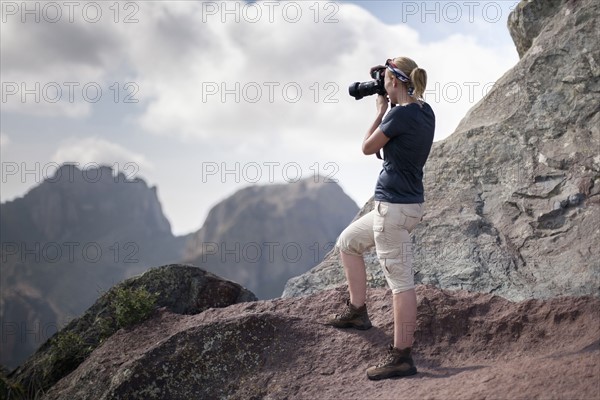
105	328
68	350
132	306
10	390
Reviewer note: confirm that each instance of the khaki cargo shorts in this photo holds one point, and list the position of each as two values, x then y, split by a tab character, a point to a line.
387	228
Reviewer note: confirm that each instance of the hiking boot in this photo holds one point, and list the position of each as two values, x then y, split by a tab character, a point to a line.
352	317
396	363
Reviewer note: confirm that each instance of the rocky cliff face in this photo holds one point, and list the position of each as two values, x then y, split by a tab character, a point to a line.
263	235
68	239
513	195
528	20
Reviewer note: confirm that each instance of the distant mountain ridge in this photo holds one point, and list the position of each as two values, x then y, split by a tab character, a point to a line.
263	235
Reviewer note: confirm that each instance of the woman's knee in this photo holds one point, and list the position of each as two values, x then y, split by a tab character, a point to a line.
346	243
357	237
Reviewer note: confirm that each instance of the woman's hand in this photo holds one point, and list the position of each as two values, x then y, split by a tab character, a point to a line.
375	68
382	104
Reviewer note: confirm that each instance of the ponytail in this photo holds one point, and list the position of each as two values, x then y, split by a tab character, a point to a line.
418	77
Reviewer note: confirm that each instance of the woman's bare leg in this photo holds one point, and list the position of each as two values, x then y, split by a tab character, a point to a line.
356	275
405	318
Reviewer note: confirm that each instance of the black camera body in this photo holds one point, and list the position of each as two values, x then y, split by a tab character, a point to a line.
358	90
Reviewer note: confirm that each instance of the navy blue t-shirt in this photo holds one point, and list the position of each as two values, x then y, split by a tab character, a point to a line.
410	129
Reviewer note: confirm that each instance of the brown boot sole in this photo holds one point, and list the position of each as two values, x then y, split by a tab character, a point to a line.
345	325
392	374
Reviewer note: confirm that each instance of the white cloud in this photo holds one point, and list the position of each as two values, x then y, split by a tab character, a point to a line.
54	69
4	140
253	58
94	151
183	53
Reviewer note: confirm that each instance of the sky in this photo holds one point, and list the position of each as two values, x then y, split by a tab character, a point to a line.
203	98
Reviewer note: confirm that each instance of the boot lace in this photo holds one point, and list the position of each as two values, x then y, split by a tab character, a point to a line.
346	314
388	359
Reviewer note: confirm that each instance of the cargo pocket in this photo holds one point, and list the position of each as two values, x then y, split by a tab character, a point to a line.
413	214
386	271
379	226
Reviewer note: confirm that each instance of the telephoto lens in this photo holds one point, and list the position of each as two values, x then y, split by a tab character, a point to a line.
358	90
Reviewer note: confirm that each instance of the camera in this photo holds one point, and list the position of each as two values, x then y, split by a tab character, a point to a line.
358	90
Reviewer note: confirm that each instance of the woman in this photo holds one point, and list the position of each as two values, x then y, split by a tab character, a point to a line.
406	135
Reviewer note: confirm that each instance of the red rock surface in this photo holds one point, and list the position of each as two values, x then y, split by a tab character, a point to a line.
468	346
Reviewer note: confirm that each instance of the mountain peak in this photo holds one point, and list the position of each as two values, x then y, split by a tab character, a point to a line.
84	203
263	235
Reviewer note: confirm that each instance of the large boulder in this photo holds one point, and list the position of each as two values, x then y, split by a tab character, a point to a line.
179	288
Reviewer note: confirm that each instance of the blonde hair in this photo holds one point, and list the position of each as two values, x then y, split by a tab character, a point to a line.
418	76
